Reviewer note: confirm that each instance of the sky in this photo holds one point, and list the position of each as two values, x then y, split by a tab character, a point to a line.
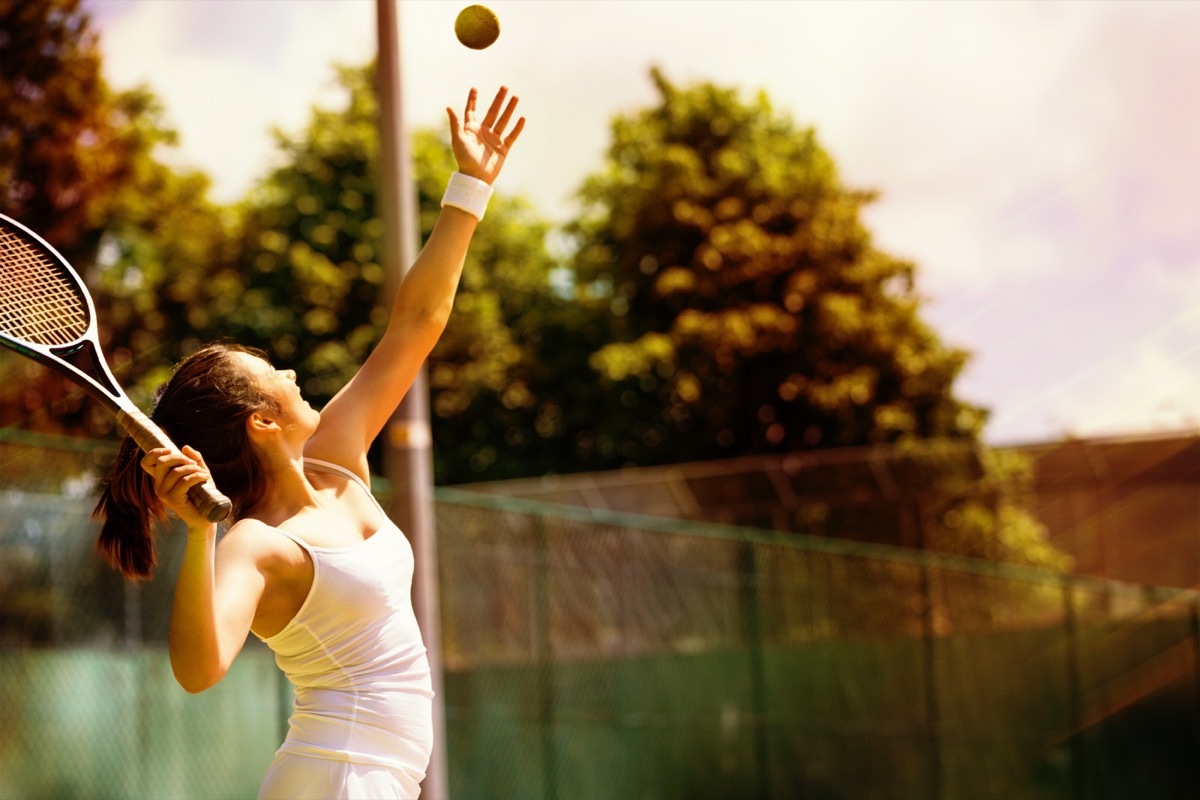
1038	161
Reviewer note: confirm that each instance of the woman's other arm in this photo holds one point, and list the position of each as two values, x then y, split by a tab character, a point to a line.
216	594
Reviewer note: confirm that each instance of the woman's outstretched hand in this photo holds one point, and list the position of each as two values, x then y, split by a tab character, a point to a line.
480	145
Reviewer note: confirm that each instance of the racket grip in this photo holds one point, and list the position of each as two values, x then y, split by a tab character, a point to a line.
205	497
209	502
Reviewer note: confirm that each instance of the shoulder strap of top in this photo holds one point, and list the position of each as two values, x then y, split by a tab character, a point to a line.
303	544
329	467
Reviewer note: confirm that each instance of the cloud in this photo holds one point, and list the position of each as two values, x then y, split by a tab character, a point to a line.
228	72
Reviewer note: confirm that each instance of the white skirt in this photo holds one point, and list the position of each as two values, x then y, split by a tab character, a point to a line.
296	777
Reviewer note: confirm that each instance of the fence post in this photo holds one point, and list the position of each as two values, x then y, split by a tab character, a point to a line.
1196	638
1074	697
928	634
752	630
545	657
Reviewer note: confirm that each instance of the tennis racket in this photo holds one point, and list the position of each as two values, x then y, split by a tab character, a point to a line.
47	314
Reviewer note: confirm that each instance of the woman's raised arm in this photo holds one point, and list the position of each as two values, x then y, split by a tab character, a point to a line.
356	415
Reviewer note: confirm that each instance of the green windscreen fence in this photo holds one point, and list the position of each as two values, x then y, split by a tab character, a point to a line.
634	657
623	657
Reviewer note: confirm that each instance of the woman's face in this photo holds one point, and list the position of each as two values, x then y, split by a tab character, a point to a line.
294	413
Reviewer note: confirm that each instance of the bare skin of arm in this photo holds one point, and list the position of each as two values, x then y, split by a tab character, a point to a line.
210	619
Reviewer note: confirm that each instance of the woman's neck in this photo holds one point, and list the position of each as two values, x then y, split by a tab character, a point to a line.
288	490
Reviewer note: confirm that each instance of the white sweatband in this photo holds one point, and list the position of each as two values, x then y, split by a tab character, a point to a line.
467	193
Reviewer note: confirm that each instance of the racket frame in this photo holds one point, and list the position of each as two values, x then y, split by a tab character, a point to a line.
82	362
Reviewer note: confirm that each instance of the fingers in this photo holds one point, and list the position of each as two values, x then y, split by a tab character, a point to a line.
489	119
498	114
502	123
194	454
512	137
469	109
160	460
174	473
481	145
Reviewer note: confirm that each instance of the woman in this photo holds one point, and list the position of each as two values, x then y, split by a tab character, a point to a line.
310	564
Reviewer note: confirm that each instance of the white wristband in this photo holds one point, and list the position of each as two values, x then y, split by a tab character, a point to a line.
467	193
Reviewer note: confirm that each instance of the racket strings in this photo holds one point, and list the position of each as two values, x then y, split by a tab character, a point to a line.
38	302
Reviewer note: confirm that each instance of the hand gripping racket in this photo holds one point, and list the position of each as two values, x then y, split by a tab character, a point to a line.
47	314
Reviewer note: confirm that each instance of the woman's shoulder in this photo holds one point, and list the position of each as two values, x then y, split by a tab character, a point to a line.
251	544
255	540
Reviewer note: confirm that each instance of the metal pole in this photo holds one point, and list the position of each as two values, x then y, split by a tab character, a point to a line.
748	591
408	453
1074	691
929	650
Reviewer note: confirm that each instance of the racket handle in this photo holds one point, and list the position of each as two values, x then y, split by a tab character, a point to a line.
209	502
205	497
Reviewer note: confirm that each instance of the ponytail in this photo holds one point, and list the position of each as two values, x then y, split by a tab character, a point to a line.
205	404
127	505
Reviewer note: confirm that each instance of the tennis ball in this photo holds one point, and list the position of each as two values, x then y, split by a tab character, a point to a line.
477	27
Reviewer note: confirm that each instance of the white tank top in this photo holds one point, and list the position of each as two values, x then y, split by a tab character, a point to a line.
355	655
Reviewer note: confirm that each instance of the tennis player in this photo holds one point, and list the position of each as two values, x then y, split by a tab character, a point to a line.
310	565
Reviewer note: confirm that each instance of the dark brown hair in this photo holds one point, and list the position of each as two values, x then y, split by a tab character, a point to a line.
205	404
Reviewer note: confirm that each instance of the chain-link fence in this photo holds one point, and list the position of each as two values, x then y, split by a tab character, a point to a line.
605	656
610	656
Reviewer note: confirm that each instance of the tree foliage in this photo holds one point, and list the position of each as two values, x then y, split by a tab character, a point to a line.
739	306
70	148
749	311
79	165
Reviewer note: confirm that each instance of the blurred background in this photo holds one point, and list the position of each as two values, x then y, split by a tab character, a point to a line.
817	418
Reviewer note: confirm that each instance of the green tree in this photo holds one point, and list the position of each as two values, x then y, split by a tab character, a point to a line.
740	307
749	310
67	144
78	165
